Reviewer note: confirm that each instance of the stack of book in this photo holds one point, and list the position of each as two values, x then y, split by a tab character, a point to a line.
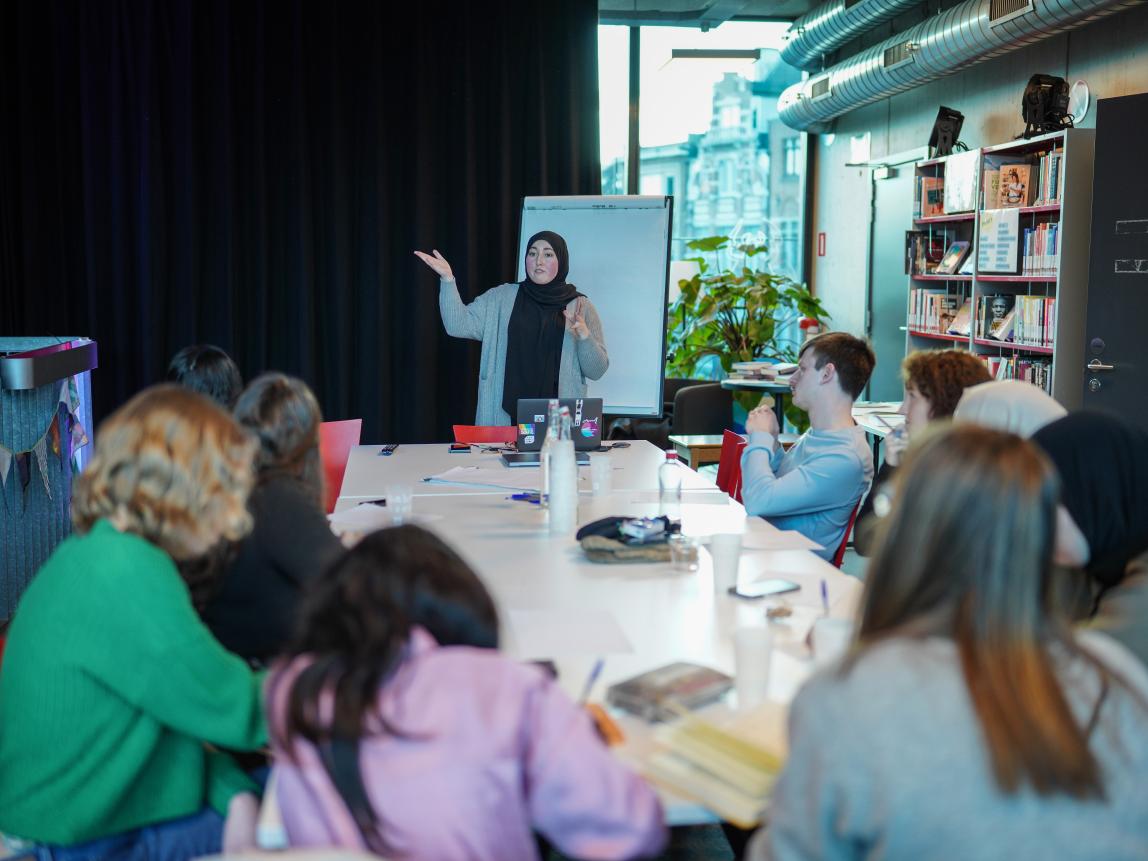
760	370
1040	253
933	310
721	770
1034	320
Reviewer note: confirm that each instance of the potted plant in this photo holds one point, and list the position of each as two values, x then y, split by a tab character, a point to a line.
739	313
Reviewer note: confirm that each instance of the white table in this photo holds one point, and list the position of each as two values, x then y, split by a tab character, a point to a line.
368	472
665	615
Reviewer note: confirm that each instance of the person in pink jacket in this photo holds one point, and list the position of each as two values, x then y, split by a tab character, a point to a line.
399	728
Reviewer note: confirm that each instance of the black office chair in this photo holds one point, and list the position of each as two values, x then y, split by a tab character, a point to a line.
691	407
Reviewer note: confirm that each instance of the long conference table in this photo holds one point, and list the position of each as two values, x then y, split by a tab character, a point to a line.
556	604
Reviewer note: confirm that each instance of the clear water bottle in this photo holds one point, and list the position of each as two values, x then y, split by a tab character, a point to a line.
553	420
563	509
670	480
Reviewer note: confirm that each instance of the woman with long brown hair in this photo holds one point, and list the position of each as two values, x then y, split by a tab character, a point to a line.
399	727
254	612
969	720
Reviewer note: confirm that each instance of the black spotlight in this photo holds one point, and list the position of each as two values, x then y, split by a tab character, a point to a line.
1044	105
946	130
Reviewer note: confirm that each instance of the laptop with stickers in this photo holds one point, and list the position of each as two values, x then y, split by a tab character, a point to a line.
586	428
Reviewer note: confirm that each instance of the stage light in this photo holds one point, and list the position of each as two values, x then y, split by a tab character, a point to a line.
1044	105
946	131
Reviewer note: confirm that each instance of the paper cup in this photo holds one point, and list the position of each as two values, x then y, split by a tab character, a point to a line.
725	551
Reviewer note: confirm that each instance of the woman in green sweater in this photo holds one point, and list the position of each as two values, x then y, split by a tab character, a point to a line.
112	689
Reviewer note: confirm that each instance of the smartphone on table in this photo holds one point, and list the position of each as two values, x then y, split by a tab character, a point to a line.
764	588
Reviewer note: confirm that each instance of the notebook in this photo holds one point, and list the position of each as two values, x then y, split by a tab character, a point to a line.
586	424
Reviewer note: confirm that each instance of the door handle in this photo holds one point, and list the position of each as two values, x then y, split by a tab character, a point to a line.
1097	365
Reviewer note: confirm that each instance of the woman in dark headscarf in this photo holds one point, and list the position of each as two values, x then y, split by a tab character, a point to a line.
540	337
1103	465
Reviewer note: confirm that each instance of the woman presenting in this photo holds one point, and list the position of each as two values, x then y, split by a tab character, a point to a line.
540	337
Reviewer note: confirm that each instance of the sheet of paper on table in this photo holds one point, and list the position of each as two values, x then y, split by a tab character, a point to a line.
525	478
783	539
546	634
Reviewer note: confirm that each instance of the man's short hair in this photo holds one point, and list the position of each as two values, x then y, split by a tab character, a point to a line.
852	358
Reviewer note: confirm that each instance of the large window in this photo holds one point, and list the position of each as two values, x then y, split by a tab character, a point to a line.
709	135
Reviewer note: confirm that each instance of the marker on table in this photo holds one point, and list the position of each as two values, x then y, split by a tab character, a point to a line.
824	598
594	673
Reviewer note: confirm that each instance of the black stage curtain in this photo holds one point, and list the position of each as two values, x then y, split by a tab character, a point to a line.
256	175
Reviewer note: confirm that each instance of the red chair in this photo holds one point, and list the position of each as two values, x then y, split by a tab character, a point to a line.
336	439
729	464
485	434
839	556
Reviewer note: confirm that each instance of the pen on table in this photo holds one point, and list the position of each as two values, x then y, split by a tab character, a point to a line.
388	450
525	497
824	598
594	673
882	420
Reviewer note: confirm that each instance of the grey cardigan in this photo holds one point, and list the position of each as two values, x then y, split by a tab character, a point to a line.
890	762
486	318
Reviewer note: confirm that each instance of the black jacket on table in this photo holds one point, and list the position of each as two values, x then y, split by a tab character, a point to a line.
253	610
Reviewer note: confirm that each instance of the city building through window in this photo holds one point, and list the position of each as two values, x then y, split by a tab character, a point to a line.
710	136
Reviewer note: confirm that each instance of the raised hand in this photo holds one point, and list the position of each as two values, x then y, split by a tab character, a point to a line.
575	322
437	263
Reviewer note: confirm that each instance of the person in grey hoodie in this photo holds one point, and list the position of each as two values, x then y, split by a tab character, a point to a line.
541	338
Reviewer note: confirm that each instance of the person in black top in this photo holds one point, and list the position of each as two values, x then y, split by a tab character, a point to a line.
207	369
253	611
934	381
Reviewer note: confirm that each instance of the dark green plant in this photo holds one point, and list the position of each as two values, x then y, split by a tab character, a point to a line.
737	314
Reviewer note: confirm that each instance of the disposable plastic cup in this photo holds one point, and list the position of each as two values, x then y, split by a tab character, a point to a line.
725	552
753	650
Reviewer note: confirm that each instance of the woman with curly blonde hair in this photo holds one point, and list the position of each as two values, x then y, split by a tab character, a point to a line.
113	689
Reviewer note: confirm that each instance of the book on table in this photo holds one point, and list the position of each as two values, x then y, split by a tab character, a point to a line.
729	768
660	694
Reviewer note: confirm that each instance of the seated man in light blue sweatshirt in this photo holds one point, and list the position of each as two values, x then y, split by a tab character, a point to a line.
814	487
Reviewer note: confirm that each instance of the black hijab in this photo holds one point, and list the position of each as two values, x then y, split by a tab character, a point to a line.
535	331
1103	466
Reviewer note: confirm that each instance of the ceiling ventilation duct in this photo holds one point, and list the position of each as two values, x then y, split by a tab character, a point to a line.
832	24
955	39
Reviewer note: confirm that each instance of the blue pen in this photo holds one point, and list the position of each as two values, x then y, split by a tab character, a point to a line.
525	497
594	673
824	597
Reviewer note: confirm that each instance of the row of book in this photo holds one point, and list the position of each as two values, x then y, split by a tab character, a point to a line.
929	201
1012	183
1040	252
933	310
1050	177
1035	371
1022	320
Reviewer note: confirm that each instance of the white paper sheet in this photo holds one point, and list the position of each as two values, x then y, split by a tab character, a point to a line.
785	539
548	634
504	478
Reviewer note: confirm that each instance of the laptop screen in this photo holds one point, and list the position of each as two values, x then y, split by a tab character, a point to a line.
585	415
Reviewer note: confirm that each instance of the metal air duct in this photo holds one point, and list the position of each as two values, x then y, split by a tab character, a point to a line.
832	24
957	38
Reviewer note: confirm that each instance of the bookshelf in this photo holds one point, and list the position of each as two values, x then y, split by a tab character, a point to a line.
1027	264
